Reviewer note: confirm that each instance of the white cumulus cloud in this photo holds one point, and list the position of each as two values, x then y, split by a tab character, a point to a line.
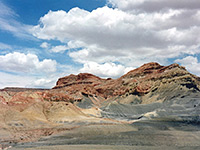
10	80
105	70
113	32
45	45
59	48
43	83
26	63
191	63
133	32
154	5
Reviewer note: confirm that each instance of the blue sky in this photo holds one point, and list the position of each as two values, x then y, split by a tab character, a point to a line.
41	41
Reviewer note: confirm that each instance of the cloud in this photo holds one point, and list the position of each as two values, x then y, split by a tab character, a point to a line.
9	23
113	32
38	80
26	63
10	80
28	81
59	48
153	5
49	80
5	10
4	46
105	70
45	45
131	33
27	70
191	63
42	83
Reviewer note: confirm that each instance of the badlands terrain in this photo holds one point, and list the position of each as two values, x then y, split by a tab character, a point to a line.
151	107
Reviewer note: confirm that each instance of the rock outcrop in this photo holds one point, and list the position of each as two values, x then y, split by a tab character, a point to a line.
148	78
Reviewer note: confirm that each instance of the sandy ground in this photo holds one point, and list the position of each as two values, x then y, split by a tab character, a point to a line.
107	147
138	136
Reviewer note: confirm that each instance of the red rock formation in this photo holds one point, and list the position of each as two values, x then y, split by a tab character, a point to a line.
82	78
139	81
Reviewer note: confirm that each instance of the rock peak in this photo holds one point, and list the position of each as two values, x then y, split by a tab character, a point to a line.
81	78
154	67
151	64
175	65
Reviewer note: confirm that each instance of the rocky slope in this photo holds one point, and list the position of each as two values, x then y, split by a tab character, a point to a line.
141	84
149	92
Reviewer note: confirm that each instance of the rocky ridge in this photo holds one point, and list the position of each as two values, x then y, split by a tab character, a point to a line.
139	82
